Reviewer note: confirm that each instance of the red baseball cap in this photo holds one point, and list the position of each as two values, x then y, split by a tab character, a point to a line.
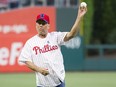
43	17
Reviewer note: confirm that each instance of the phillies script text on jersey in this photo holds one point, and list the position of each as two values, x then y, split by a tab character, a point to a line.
45	49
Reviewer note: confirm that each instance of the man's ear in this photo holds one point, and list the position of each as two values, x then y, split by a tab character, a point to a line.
48	26
36	25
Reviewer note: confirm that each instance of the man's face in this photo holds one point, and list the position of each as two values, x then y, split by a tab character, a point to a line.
42	27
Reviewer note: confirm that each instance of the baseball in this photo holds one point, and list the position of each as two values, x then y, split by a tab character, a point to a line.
83	4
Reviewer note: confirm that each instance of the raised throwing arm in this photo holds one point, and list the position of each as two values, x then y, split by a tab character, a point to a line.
74	30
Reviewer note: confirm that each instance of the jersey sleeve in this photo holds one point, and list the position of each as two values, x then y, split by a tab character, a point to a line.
25	54
60	37
72	43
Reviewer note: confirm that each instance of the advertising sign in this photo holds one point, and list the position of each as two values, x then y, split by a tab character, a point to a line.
16	26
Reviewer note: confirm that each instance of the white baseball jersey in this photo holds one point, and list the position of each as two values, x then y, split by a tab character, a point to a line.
46	53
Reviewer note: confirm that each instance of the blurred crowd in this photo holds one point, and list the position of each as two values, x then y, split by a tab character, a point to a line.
12	4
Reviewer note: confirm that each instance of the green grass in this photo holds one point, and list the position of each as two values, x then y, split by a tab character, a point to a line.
73	79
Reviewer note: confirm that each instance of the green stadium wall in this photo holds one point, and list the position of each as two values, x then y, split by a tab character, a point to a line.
75	59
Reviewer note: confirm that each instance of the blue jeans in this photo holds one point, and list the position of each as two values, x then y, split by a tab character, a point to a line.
61	85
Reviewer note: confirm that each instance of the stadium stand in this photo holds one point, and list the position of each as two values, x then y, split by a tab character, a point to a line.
15	4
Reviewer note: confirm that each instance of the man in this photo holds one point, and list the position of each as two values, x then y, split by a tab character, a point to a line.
42	52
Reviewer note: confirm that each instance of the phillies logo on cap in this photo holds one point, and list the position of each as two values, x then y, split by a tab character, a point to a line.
43	17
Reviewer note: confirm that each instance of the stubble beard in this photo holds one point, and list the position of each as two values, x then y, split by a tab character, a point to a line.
42	34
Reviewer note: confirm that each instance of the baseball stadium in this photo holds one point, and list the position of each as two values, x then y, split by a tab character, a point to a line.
89	60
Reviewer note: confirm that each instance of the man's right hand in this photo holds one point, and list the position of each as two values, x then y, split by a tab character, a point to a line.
43	71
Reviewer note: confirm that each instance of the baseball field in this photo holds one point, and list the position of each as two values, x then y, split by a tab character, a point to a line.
73	79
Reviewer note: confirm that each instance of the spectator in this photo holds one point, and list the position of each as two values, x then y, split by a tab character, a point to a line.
50	2
73	2
39	2
25	3
3	5
13	4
